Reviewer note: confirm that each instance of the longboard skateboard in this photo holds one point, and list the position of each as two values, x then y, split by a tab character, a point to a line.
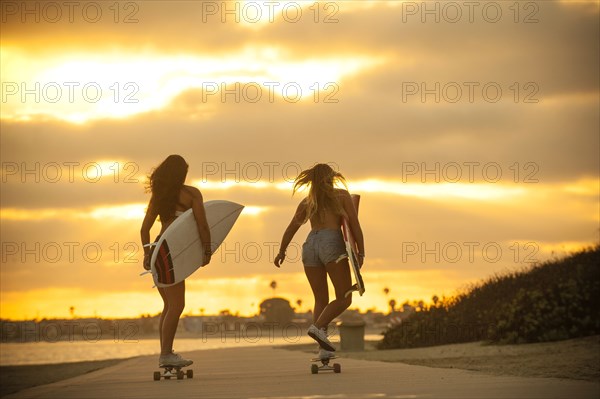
315	368
352	252
173	372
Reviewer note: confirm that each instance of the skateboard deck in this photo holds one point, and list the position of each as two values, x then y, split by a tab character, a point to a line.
352	252
315	368
318	359
173	372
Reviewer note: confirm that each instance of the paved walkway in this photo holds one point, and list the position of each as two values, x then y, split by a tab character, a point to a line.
264	372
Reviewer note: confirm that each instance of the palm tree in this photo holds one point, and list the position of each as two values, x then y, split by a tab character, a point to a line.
274	286
392	304
299	303
72	311
386	291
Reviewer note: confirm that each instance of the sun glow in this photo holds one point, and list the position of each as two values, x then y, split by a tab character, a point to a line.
478	192
135	211
81	87
473	191
254	210
212	295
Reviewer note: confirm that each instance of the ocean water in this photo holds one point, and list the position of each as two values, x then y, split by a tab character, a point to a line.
12	354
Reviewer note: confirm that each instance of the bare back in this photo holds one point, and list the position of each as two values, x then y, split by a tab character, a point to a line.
328	219
184	202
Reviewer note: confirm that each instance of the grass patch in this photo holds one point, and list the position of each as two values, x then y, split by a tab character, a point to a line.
555	300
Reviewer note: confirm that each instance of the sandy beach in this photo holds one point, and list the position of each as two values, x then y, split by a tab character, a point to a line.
549	370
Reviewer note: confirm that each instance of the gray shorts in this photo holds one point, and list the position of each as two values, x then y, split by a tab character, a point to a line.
322	247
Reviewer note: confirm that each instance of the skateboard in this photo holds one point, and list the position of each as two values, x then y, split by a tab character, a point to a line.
315	368
352	252
173	372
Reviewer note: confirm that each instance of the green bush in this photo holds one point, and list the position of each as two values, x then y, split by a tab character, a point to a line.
558	299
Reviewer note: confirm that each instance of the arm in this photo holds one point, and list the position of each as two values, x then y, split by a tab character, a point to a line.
354	225
203	229
297	221
147	224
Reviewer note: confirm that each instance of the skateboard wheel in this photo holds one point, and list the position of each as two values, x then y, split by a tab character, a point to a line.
180	375
190	373
337	368
156	375
314	369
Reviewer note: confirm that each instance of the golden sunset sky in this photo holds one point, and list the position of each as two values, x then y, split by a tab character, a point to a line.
470	129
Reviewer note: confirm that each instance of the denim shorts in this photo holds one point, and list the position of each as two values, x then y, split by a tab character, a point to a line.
322	247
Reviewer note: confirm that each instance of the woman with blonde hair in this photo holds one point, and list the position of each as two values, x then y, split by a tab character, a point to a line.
170	198
324	252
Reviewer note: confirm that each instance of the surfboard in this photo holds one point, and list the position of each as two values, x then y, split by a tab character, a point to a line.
352	251
179	251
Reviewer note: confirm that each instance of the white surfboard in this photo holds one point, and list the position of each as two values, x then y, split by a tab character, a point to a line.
179	251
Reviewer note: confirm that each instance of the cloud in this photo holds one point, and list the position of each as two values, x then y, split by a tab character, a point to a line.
381	128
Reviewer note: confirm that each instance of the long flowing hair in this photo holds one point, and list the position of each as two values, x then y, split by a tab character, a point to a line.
165	183
321	179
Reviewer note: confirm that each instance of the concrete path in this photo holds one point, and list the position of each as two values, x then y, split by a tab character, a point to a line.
264	372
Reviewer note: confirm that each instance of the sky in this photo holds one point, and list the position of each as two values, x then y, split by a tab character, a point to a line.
470	130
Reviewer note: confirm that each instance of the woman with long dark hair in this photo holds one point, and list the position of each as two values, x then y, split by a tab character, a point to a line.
170	198
324	252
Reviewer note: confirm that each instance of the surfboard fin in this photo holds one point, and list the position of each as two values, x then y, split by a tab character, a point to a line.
351	290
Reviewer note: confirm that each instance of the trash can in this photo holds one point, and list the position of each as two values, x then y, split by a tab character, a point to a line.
352	335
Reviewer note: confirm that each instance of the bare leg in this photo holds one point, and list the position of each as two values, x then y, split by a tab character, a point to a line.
317	277
174	298
339	273
162	314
